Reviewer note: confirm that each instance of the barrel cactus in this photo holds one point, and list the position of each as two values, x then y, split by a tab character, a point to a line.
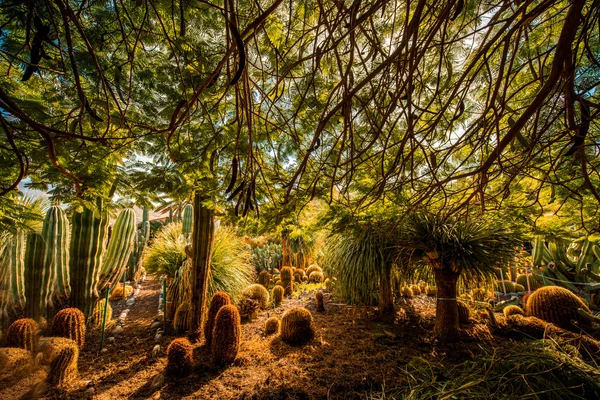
513	310
248	308
315	277
320	301
98	313
259	293
313	268
508	285
181	321
287	282
22	334
179	358
218	300
406	291
535	282
297	326
51	346
264	278
70	323
226	335
557	305
278	295
63	368
272	325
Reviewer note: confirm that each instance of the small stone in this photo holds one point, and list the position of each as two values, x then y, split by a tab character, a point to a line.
39	358
104	350
155	351
157	337
158	381
111	339
90	390
155	325
117	329
130	302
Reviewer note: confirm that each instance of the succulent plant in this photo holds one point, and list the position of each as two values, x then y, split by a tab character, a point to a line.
226	335
464	312
431	291
535	282
179	358
320	301
297	326
70	323
415	289
259	293
247	308
557	305
51	346
98	313
315	277
63	368
22	334
120	292
218	300
188	217
264	278
508	285
406	291
181	321
38	277
423	286
313	268
513	310
480	294
272	325
287	282
278	295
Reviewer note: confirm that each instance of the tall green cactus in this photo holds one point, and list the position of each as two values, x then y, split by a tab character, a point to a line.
188	216
119	248
55	232
87	242
15	250
38	279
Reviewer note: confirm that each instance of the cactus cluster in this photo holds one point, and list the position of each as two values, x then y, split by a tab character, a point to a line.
278	295
63	368
218	300
406	291
98	313
297	326
267	257
286	276
272	326
22	334
259	293
226	335
313	268
513	310
557	305
120	292
415	289
70	323
464	312
179	358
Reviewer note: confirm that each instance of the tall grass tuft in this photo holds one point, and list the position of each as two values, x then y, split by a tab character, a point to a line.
166	253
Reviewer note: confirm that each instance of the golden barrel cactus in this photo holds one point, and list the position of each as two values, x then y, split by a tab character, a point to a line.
297	326
272	325
259	293
557	305
70	323
22	334
513	310
278	295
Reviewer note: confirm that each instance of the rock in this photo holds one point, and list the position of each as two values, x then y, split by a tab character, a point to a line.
39	358
111	339
155	351
136	292
130	302
158	382
104	350
117	329
155	325
91	390
157	337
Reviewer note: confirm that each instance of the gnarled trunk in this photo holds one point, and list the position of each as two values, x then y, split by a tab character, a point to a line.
446	313
202	244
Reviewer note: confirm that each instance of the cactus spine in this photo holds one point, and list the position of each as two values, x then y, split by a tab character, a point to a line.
188	217
119	248
87	240
35	285
55	232
70	323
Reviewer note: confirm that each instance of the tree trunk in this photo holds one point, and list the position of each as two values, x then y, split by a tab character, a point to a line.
386	296
446	314
513	269
286	260
202	245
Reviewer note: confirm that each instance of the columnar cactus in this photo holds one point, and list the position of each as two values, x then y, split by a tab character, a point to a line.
119	249
188	217
63	368
264	278
37	282
218	300
87	242
14	251
287	282
278	294
557	305
70	323
22	334
98	313
55	232
297	326
226	335
179	358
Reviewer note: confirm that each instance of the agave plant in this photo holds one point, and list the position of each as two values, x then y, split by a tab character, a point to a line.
452	247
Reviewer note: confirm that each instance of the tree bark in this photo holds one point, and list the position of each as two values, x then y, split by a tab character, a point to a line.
202	244
386	295
446	314
286	259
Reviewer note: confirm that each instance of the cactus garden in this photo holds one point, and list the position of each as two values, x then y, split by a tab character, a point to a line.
302	199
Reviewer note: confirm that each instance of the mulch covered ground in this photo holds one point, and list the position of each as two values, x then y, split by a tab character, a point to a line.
355	353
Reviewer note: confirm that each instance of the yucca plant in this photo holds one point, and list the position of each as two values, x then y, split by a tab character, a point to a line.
362	261
452	247
167	251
